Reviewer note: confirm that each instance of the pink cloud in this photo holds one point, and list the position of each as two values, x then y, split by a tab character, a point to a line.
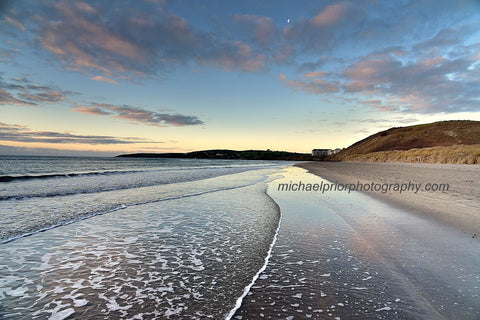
17	133
315	74
7	98
423	85
237	61
99	35
372	102
104	79
330	15
15	22
263	28
90	110
85	7
76	39
244	49
316	86
255	64
431	62
138	115
50	96
371	72
143	43
286	52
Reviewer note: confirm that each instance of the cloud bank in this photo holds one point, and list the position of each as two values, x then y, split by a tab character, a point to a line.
22	92
139	115
17	133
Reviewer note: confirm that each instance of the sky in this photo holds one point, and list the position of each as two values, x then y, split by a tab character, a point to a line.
109	77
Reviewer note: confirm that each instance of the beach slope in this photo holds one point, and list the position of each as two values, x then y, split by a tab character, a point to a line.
459	206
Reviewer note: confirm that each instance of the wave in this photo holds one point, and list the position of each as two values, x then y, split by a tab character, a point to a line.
25	187
113	209
11	178
62	175
65	209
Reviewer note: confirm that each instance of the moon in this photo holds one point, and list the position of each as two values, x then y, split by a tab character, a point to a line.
288	20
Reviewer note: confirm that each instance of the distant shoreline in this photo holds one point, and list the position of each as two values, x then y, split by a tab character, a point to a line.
228	154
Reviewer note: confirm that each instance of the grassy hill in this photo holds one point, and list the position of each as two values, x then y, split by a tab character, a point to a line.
438	142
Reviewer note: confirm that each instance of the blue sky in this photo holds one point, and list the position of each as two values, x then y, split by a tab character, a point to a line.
102	77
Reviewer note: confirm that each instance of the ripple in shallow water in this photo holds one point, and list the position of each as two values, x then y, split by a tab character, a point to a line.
177	259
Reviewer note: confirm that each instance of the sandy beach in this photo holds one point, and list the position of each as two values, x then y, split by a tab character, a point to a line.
353	256
458	207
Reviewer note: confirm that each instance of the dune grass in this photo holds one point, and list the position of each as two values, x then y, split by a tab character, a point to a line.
458	154
419	143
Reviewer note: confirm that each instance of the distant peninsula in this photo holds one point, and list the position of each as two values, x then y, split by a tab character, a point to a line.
228	154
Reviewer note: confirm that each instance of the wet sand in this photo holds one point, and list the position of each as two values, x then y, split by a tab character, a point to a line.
458	207
351	256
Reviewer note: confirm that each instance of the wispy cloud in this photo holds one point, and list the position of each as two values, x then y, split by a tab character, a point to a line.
17	133
104	79
7	98
49	96
332	14
15	22
32	151
139	115
23	92
313	84
315	74
7	55
392	120
90	110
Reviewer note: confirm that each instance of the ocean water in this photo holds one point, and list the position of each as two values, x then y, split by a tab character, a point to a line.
96	238
107	238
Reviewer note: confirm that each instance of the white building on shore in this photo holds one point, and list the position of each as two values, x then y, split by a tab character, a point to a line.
324	152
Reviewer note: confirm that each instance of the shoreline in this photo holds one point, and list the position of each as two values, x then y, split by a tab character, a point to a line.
458	207
248	288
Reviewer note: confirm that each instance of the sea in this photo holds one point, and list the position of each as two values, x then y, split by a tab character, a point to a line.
132	238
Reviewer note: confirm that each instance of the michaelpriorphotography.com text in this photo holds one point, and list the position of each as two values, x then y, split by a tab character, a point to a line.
383	187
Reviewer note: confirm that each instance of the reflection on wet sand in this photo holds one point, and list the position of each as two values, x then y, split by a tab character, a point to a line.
344	256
